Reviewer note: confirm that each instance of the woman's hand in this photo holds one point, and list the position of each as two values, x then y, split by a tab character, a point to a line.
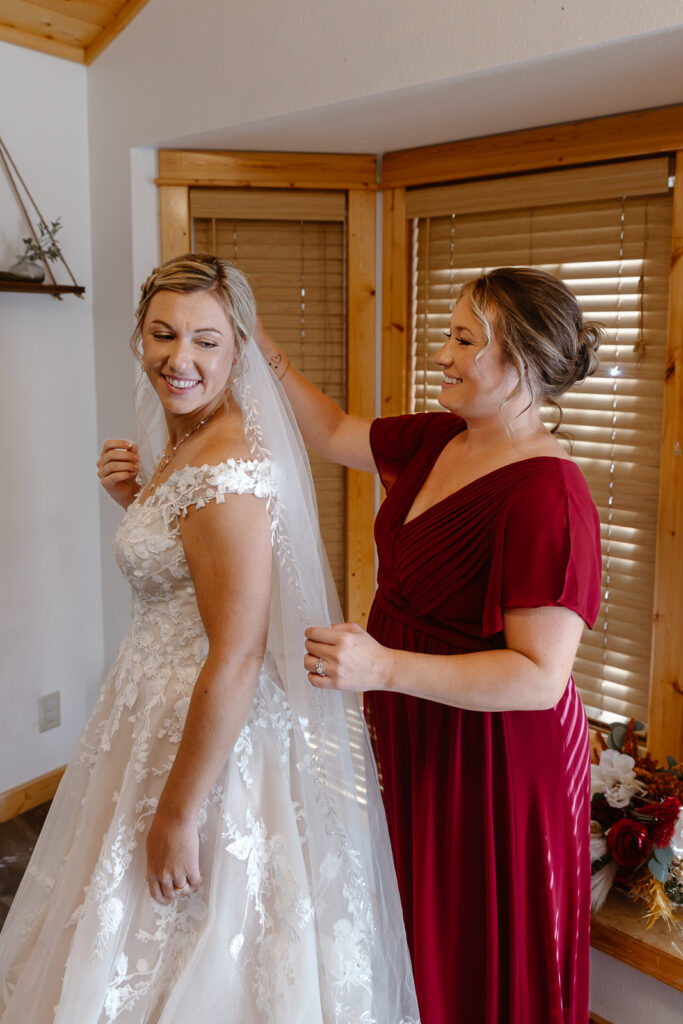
351	659
117	468
172	858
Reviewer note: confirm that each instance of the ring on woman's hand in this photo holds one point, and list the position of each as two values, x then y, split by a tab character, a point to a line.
181	890
320	667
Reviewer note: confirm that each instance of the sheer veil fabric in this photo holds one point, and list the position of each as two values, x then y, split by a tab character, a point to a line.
347	837
304	840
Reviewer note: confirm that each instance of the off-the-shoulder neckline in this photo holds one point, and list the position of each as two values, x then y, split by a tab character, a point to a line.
230	463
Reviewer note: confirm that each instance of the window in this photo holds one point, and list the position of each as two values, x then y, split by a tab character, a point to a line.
609	240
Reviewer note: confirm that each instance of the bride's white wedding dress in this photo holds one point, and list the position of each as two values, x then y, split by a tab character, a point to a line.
294	922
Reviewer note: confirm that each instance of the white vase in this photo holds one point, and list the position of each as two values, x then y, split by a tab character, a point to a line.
29	270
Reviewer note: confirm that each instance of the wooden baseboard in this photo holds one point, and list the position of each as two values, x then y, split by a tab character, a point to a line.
30	794
594	1019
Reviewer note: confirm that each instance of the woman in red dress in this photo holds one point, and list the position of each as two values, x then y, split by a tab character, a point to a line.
489	567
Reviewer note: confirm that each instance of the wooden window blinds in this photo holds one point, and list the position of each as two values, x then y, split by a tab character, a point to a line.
606	232
291	246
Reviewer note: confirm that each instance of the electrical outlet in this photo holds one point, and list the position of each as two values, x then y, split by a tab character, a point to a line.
49	712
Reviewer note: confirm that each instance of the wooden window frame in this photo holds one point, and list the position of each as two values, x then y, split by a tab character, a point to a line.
645	133
181	170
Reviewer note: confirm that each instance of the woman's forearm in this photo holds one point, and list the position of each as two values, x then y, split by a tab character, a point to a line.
501	680
529	674
218	710
324	426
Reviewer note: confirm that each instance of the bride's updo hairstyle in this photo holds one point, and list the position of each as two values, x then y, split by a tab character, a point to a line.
541	330
195	272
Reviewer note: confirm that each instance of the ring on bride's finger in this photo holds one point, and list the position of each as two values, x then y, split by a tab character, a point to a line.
320	667
181	890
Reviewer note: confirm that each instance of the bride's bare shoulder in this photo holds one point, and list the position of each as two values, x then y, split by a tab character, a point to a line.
224	441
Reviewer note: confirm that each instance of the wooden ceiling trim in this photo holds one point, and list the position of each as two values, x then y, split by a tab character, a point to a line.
43	22
113	28
55	48
93	12
77	30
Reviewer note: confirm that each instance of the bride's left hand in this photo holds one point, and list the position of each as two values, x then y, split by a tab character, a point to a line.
172	858
351	659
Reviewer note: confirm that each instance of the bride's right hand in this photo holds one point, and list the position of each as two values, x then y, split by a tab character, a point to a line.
117	468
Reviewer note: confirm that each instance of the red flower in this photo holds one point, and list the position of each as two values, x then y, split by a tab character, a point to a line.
629	843
603	813
665	813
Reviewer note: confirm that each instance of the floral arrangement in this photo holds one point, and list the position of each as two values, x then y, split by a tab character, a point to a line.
636	825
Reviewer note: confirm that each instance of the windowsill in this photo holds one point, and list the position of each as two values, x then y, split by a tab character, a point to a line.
619	930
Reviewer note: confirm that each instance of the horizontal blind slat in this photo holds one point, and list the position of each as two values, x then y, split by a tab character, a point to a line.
267	204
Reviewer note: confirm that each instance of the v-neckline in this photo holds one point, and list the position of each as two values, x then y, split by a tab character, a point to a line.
405	522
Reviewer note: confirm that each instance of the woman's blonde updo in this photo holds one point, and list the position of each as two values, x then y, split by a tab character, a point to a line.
540	327
196	272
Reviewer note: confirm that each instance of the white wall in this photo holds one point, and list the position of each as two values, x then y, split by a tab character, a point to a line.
50	600
623	995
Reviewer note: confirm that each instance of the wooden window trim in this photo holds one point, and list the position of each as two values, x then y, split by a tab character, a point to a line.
645	133
242	169
618	930
180	170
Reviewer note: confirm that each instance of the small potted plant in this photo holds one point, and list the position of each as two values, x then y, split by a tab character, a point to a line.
46	247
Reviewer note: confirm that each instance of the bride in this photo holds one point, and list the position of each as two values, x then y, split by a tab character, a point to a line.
216	850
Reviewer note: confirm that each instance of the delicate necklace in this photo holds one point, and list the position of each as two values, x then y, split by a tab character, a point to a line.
170	450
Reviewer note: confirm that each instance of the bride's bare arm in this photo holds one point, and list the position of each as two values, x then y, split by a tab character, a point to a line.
325	427
229	553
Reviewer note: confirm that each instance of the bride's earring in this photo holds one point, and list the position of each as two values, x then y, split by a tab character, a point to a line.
235	371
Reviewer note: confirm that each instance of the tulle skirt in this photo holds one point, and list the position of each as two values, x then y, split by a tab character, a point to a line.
84	942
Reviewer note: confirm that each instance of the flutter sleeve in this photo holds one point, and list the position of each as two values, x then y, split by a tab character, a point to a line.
396	439
546	548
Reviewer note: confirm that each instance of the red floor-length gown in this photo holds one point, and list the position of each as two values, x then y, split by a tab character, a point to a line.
488	811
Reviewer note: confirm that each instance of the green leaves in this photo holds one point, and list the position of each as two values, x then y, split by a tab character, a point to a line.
46	248
617	734
659	863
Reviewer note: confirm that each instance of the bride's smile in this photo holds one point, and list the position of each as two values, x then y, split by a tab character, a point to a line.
188	350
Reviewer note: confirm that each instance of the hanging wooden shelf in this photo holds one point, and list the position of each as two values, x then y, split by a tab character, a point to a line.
10	282
39	286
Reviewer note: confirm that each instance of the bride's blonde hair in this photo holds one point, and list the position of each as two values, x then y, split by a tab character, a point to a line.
196	272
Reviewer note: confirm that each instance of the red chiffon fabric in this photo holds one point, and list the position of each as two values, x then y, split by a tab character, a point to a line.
488	812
